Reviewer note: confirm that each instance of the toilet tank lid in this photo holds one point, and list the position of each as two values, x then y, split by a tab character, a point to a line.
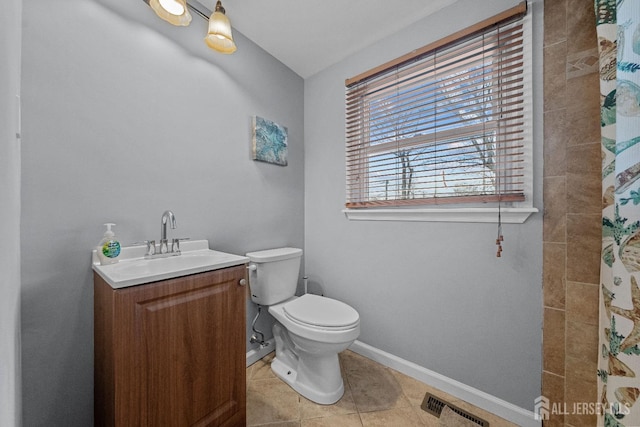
278	254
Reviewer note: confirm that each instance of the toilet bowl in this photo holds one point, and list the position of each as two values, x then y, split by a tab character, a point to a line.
310	330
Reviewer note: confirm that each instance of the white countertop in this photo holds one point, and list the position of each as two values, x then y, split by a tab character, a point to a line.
133	269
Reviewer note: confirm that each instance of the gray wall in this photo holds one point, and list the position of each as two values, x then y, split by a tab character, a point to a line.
431	293
126	116
10	40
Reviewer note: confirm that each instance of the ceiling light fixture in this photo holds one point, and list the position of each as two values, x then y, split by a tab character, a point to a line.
173	11
219	37
176	12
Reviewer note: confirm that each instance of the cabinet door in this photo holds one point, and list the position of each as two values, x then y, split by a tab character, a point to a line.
183	351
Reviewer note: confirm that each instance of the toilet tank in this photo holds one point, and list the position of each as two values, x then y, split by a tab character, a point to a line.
275	277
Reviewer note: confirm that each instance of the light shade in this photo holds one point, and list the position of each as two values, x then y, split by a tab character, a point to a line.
172	11
219	37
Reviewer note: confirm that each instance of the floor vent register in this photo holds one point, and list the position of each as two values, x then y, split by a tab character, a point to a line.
434	406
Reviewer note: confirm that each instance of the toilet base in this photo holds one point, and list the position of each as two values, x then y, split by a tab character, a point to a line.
315	375
289	376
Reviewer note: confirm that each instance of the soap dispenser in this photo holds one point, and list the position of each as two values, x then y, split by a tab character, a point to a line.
109	247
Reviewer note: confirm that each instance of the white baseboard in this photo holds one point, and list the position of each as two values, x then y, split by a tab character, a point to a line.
499	407
256	354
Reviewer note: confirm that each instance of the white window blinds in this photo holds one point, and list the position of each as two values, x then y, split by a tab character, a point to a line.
443	124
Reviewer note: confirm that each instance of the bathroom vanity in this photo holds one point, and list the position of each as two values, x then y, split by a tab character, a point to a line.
171	351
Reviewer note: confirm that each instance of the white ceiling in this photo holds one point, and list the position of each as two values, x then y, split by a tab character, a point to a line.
309	36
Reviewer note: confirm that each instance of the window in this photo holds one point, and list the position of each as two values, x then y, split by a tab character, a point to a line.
447	124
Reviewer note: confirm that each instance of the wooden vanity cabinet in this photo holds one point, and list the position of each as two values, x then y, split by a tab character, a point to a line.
171	353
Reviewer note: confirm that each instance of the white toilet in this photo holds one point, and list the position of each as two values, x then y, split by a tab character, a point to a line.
310	330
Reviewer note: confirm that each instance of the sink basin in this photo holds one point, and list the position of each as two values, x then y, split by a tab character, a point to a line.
133	269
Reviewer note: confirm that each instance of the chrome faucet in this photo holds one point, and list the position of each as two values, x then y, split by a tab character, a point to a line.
163	250
167	215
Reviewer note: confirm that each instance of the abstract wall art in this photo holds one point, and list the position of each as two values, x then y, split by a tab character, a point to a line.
269	142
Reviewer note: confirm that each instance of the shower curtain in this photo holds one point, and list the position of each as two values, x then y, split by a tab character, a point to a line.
618	29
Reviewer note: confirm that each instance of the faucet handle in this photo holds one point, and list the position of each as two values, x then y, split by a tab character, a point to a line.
151	246
175	244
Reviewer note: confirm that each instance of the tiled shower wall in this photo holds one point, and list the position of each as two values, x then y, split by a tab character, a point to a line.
573	209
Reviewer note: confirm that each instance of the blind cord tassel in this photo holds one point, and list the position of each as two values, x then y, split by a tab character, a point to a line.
500	238
499	243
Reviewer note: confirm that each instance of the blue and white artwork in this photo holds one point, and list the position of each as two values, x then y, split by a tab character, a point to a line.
269	141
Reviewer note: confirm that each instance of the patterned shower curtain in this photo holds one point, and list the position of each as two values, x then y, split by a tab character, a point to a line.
618	28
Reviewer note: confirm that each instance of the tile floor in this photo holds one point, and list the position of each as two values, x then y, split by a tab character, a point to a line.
374	396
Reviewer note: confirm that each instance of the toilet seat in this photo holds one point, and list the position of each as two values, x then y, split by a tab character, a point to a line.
324	334
315	311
